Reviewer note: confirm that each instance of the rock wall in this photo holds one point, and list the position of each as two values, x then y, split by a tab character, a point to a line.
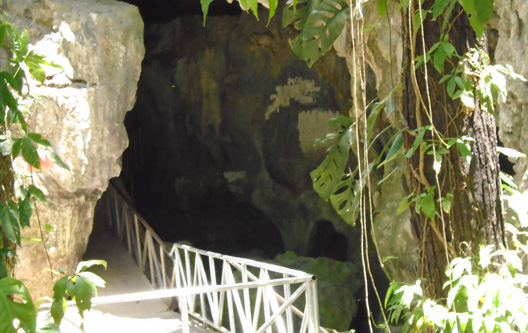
512	38
99	43
223	134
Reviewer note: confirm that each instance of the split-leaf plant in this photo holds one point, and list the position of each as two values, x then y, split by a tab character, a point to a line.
18	195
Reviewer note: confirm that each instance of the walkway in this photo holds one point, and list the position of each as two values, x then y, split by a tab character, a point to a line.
123	276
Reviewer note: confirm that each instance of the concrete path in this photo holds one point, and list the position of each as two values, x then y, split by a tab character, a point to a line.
123	276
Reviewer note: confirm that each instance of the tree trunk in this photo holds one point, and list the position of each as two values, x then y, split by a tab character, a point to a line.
475	215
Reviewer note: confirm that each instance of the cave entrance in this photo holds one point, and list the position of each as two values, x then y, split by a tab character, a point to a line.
213	158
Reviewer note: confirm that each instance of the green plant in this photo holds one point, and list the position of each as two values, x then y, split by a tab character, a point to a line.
484	294
80	287
18	195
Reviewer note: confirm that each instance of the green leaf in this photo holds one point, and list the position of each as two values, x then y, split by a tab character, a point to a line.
464	150
11	309
14	80
15	40
21	120
25	209
345	199
58	307
381	7
29	152
24	42
273	4
439	57
48	327
417	142
329	174
438	8
205	8
404	205
37	138
6	97
325	21
34	64
479	13
37	193
2	33
94	278
394	149
446	203
9	224
451	86
419	18
15	149
296	13
3	269
81	291
53	155
428	205
84	265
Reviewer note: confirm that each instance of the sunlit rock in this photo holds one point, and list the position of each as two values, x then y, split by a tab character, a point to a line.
99	44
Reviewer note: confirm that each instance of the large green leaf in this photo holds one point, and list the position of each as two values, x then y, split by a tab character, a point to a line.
345	199
25	209
29	152
205	8
81	291
16	303
329	174
34	63
322	21
58	307
9	224
296	13
479	13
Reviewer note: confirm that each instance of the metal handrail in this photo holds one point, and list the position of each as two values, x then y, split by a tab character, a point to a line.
225	293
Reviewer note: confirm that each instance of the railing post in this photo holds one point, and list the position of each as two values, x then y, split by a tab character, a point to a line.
314	306
184	313
138	242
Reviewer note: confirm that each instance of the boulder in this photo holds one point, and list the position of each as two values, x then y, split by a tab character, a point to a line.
338	286
99	44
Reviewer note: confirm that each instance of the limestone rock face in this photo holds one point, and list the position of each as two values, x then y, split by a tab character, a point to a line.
226	121
511	49
99	43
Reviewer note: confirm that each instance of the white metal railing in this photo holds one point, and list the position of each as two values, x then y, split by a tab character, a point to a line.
223	292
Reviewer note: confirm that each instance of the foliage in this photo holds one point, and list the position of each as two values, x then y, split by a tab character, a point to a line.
320	23
80	287
485	294
16	304
17	310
